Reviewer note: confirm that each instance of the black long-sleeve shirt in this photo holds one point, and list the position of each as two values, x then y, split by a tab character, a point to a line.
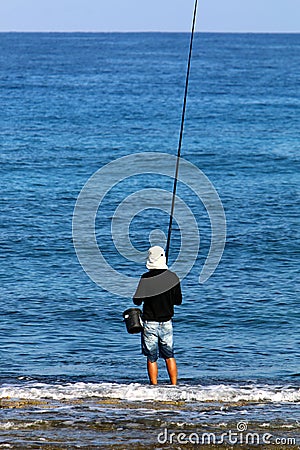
160	290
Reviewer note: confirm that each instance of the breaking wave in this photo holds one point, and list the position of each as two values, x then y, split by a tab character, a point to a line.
222	393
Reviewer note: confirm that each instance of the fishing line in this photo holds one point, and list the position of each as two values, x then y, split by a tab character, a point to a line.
181	131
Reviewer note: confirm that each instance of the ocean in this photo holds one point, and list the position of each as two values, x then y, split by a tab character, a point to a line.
75	106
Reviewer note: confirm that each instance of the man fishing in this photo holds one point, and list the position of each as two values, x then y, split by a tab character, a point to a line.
159	290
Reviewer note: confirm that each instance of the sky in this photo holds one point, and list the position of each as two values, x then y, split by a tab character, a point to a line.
150	15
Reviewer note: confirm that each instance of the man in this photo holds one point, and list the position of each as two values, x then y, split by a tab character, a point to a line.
159	289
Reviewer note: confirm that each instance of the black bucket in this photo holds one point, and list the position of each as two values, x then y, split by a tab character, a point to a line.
133	320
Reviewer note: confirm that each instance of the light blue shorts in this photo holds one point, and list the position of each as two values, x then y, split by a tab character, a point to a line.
157	339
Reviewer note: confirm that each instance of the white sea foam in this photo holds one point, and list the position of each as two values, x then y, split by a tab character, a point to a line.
138	392
19	425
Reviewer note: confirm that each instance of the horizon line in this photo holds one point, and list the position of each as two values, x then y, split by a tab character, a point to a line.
148	31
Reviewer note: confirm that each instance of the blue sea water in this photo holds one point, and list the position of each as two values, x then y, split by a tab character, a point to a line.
70	104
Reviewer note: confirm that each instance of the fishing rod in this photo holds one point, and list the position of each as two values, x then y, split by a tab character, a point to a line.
181	131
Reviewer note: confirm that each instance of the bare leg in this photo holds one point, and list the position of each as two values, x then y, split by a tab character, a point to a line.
152	371
172	370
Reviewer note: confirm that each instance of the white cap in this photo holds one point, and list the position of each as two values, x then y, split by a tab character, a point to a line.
156	258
